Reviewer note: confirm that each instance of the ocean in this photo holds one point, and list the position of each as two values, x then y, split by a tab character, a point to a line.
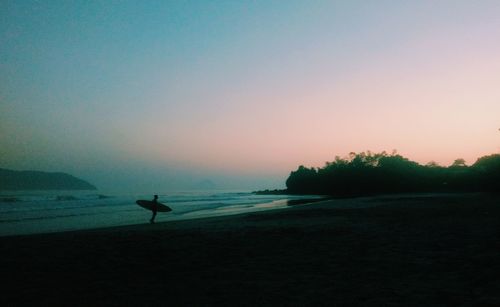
55	211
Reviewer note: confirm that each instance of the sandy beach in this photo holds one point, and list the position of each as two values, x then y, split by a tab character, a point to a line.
424	250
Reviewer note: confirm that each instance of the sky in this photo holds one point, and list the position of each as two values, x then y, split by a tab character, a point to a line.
166	95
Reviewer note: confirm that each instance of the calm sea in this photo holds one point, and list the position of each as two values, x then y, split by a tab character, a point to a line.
55	211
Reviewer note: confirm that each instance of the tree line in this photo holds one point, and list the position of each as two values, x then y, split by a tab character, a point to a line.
370	173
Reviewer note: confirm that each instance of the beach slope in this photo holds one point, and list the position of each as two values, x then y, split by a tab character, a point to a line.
392	251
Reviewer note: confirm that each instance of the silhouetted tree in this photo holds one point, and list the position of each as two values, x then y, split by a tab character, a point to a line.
373	173
487	172
459	163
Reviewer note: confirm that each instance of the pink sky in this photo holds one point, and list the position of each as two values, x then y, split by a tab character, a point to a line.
247	88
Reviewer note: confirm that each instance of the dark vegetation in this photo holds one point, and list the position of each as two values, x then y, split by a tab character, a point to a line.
270	192
381	173
32	180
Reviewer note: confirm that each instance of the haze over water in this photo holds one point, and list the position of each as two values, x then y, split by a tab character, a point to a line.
181	95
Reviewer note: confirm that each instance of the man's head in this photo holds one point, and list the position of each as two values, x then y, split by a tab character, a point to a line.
156	196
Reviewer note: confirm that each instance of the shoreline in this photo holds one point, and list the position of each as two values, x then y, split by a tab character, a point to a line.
213	216
263	207
410	251
51	215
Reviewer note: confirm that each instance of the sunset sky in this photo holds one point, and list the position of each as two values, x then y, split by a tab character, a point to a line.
242	92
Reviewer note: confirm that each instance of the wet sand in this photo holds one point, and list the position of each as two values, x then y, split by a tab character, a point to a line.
382	251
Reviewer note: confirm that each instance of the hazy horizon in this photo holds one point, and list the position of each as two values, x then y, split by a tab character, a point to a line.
167	95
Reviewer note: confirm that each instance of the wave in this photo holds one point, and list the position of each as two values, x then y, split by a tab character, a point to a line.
36	213
50	197
9	199
58	216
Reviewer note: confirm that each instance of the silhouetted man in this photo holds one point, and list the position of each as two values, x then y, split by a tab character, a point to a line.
154	208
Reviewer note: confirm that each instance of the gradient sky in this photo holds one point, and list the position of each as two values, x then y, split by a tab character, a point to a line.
242	92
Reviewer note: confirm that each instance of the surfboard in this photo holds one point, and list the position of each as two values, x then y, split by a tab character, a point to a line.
147	204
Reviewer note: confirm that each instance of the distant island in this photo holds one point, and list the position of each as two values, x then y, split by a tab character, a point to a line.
34	180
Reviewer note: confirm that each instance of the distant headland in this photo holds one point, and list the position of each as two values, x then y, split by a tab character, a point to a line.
34	180
368	173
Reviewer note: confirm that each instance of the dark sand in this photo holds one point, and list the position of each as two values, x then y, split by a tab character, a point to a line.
385	251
